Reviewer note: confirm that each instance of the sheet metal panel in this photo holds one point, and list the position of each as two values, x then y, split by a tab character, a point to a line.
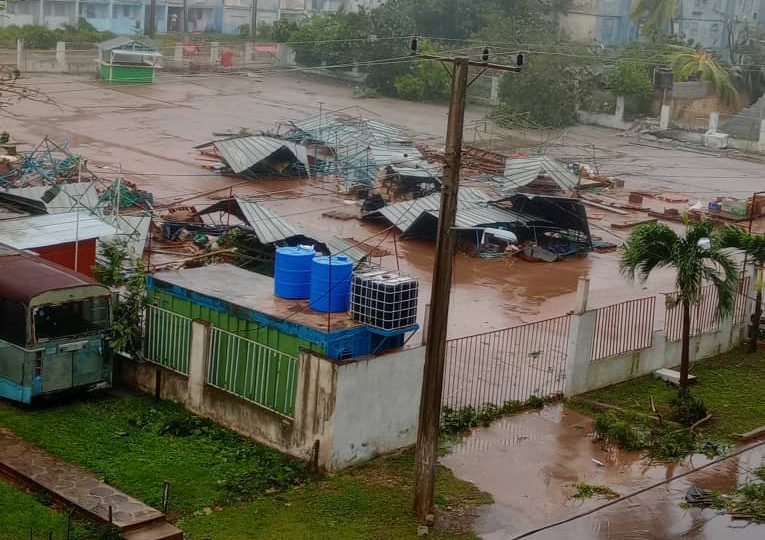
241	153
52	229
268	227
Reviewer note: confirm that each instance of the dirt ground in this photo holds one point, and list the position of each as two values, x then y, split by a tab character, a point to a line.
530	462
148	132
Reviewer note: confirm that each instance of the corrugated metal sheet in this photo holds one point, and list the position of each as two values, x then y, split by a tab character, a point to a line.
521	172
405	213
363	167
120	41
341	130
472	217
67	197
268	227
337	245
53	229
241	153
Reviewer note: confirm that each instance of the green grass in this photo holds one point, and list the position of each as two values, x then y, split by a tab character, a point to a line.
730	385
221	483
588	491
119	439
20	512
372	501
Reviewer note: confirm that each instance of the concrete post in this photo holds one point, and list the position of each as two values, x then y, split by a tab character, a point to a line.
248	48
714	121
582	294
214	53
200	345
21	63
285	56
111	15
762	136
579	356
61	56
494	96
619	113
178	56
664	118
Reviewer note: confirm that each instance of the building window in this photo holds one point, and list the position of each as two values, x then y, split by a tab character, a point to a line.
126	11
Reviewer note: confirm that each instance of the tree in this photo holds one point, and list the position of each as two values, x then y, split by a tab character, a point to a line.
628	78
697	257
690	63
656	15
426	80
754	247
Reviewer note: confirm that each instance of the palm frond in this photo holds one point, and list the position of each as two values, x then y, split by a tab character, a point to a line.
752	244
649	247
723	274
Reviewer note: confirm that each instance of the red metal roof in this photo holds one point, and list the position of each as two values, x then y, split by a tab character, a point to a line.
23	276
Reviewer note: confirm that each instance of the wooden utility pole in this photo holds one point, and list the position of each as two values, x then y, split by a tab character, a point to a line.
253	19
428	428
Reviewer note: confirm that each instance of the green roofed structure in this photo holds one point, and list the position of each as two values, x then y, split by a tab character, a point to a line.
126	59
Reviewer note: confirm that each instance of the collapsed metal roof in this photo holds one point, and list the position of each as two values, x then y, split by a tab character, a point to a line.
243	153
341	246
338	129
53	229
56	199
268	227
523	171
403	214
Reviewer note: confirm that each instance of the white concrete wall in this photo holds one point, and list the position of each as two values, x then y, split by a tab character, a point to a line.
377	406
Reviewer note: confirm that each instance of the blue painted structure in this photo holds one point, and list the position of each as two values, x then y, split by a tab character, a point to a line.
292	272
243	303
331	284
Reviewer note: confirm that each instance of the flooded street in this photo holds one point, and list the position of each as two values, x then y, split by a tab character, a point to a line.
530	462
147	133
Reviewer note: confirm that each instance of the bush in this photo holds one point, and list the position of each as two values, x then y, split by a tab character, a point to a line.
672	445
687	409
613	430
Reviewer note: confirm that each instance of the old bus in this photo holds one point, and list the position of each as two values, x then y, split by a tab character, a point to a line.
53	326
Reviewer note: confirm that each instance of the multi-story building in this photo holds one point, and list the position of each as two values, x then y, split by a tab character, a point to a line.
131	16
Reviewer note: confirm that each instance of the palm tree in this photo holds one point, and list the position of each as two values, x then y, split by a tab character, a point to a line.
696	257
754	246
696	63
657	13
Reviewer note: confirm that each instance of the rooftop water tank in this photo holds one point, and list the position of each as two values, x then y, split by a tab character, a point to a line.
292	272
331	284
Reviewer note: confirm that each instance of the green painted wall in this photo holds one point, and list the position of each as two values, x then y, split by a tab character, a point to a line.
286	343
127	74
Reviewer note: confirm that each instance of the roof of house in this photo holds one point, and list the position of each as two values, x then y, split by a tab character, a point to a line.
268	226
523	171
53	199
24	276
53	229
242	153
119	42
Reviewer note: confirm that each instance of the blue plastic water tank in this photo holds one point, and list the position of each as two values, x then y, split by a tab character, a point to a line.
292	272
331	284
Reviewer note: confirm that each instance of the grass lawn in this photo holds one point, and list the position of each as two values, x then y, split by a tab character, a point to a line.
731	385
20	512
225	487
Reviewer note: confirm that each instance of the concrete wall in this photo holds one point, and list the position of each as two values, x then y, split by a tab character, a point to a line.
353	410
378	401
583	374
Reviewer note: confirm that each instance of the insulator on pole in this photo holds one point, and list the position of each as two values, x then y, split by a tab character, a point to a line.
519	59
413	44
485	54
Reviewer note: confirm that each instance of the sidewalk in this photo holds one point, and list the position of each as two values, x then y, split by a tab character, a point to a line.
71	485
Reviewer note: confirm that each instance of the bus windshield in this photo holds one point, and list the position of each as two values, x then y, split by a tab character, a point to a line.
71	318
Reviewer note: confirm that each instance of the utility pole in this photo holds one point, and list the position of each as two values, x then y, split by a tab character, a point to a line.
428	427
253	18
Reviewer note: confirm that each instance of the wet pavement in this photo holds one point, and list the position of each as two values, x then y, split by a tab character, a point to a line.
84	491
530	462
147	133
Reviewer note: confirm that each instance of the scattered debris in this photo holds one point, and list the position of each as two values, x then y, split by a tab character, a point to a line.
588	491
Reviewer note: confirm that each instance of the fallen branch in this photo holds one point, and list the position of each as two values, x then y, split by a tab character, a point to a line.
695	424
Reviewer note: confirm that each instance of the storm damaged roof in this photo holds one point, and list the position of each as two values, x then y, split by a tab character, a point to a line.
268	226
243	153
522	172
53	229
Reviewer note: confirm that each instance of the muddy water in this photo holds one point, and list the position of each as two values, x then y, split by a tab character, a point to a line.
529	463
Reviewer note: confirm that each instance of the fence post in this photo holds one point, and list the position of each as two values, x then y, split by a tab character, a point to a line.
21	63
198	357
664	117
214	53
61	56
619	113
582	294
178	56
579	352
714	121
248	47
494	96
762	136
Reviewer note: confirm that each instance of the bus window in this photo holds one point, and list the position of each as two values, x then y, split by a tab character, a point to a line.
13	322
71	318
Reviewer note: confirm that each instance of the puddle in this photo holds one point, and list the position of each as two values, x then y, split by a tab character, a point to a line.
529	463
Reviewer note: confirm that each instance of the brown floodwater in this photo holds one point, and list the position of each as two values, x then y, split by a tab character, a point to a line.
530	462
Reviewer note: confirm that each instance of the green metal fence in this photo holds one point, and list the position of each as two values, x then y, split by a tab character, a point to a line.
167	339
252	371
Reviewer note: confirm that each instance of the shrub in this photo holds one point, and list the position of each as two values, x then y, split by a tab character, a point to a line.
687	409
613	430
